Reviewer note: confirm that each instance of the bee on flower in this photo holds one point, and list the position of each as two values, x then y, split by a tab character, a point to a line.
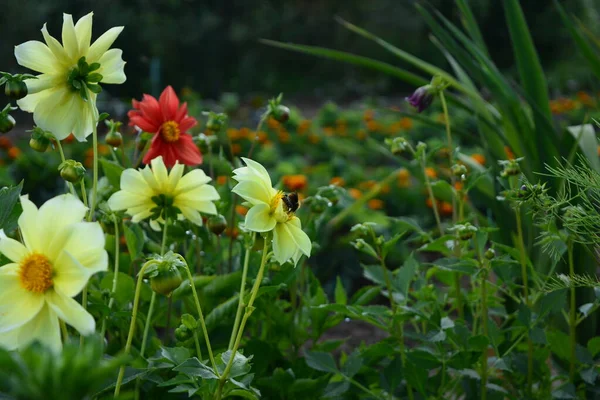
271	210
52	265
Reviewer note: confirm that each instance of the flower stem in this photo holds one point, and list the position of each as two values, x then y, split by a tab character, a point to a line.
83	193
132	324
436	213
201	317
198	351
484	326
62	158
241	305
115	277
572	314
248	311
63	329
450	149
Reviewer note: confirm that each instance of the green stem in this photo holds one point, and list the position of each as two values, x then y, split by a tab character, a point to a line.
241	305
136	299
201	317
63	329
83	192
361	387
115	277
62	158
450	149
436	213
248	310
572	314
484	325
197	342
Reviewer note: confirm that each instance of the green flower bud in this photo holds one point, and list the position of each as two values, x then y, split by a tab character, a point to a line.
281	113
182	333
7	123
167	280
15	89
215	121
71	171
458	170
490	253
113	137
40	139
216	224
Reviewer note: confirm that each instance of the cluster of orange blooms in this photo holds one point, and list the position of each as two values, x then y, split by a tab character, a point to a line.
563	105
403	124
11	151
103	150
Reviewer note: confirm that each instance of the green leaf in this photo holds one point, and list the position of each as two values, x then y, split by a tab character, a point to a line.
125	286
335	389
246	394
392	375
442	245
365	295
134	237
466	266
189	321
112	171
446	323
389	245
176	355
193	367
593	346
585	136
9	196
478	343
589	375
553	302
240	366
340	292
321	361
557	340
352	365
406	274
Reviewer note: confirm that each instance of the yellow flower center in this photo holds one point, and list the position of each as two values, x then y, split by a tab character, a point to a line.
35	273
277	208
170	131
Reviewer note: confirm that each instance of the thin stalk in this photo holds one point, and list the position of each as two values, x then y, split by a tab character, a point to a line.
62	158
450	149
136	300
201	317
241	305
436	213
83	192
572	314
63	330
197	342
361	387
484	326
115	277
248	310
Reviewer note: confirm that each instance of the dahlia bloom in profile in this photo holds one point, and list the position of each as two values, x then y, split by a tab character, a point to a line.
169	122
152	191
63	98
422	98
271	210
58	255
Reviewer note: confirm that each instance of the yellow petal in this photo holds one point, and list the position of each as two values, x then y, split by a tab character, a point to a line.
149	178
70	276
191	215
122	200
258	169
112	67
11	248
62	59
28	225
132	181
174	177
284	246
54	216
43	82
69	38
87	113
83	31
30	102
17	305
102	44
300	238
85	243
190	181
59	112
160	173
36	56
258	219
252	192
44	328
71	312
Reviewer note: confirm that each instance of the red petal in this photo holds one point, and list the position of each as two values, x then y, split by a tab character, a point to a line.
150	109
159	147
135	103
187	123
143	123
187	151
181	113
169	103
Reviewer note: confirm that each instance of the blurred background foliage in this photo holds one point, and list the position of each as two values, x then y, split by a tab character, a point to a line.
211	46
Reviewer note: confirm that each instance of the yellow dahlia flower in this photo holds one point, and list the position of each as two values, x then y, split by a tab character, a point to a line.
58	255
271	211
151	192
63	98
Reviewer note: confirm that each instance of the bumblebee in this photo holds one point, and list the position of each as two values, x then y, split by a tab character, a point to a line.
291	201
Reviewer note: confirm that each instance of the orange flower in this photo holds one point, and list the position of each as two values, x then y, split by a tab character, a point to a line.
339	181
361	134
244	132
222	179
428	202
366	185
103	149
13	153
233	134
314	139
303	126
458	185
369	115
406	123
479	158
509	154
241	210
404	178
5	143
236	148
262	137
431	173
555	107
232	232
373	126
355	193
70	138
446	208
375	204
329	131
586	99
273	123
295	183
284	136
88	162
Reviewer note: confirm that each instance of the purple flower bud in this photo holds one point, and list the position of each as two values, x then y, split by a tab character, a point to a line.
422	98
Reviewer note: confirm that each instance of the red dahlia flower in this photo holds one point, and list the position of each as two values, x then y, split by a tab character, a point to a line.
169	122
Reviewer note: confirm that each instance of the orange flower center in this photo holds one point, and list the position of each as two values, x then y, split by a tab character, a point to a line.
35	273
170	131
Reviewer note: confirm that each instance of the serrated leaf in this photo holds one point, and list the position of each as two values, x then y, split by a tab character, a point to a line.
321	361
340	292
112	171
134	238
125	286
240	366
9	196
446	323
352	365
194	367
406	274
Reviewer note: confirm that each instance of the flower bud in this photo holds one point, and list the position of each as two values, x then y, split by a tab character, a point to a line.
421	98
511	168
166	281
458	170
464	231
319	204
490	254
281	113
40	139
113	137
397	145
215	121
71	171
217	224
15	89
182	333
7	122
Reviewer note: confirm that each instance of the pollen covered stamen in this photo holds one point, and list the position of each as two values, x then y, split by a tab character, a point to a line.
275	201
35	273
170	131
